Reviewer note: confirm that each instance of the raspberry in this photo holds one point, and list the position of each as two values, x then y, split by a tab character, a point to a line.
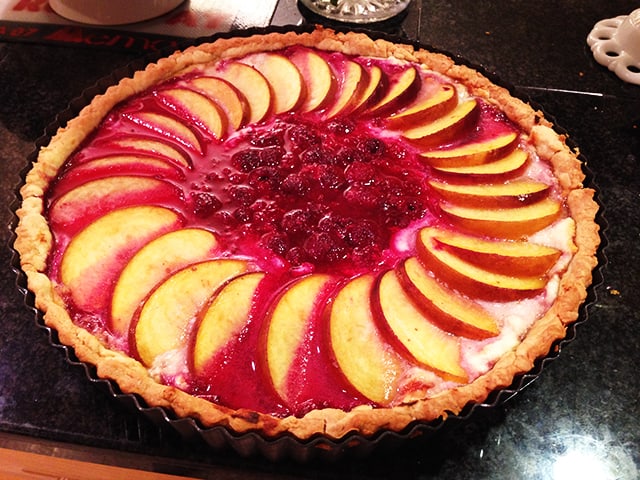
242	214
372	146
392	187
266	212
243	194
366	255
319	245
415	208
265	179
335	254
392	203
204	203
249	159
295	221
361	173
302	137
396	152
246	160
289	162
348	156
412	186
271	156
400	210
334	225
362	196
275	242
403	206
315	155
296	184
295	256
330	177
360	234
274	138
315	211
224	218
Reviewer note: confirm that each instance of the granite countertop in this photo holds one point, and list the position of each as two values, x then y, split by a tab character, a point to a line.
581	416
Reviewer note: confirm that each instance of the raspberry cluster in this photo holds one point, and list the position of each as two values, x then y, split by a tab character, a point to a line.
320	193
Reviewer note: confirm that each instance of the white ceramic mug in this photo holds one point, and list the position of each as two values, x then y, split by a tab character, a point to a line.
112	12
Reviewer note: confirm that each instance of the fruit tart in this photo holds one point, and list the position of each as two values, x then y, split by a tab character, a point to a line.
308	233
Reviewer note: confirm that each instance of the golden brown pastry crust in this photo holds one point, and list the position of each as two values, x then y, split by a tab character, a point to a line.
34	244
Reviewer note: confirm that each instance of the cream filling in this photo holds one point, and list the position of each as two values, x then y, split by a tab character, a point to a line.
171	366
516	317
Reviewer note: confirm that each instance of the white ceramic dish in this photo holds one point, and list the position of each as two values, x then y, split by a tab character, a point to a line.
112	12
615	43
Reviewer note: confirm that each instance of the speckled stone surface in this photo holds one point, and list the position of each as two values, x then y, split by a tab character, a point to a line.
582	413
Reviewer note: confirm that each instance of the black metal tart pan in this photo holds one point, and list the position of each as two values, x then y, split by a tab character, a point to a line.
287	446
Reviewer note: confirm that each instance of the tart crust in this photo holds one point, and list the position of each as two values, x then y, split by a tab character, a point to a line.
34	243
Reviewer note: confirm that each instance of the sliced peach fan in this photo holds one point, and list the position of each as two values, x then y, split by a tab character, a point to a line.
299	226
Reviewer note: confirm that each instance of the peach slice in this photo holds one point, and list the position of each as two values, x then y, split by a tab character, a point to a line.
252	85
445	307
509	257
156	148
505	166
168	127
152	264
445	128
283	76
374	79
425	110
353	78
95	256
402	87
197	108
512	223
414	334
224	319
475	153
492	195
89	200
123	165
287	328
472	279
317	76
226	96
168	312
364	357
